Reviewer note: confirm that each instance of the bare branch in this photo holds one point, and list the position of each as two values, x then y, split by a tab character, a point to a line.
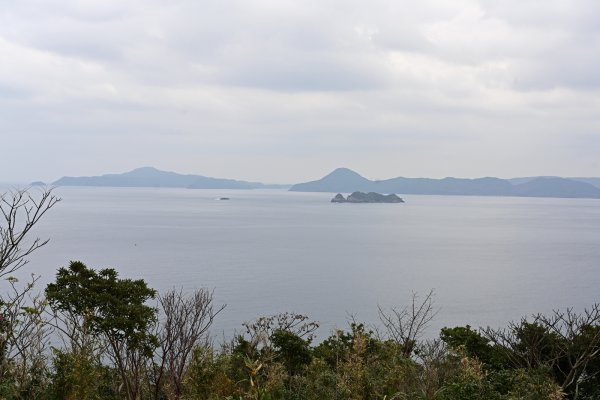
564	341
261	330
183	327
20	211
406	326
23	333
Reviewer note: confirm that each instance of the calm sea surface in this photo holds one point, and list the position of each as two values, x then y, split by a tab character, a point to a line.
489	259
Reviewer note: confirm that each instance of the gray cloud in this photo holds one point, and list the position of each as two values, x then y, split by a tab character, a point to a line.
230	87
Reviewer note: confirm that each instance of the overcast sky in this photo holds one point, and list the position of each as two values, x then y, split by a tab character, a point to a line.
285	91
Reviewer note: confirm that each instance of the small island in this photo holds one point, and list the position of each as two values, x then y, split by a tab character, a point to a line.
371	197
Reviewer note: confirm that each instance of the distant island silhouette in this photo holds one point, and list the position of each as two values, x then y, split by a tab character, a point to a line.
344	180
152	177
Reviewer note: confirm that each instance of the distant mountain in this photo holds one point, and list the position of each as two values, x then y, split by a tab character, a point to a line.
592	181
340	180
345	180
556	187
446	186
152	177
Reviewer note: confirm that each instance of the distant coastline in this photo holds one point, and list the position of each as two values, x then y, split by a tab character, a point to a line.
152	177
344	180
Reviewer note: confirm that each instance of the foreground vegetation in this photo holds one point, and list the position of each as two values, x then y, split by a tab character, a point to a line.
120	339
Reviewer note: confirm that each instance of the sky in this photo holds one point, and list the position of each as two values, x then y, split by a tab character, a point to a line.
285	91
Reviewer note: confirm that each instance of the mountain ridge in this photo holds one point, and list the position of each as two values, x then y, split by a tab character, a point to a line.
153	177
346	180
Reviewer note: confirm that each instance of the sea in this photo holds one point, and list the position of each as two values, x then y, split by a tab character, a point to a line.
488	260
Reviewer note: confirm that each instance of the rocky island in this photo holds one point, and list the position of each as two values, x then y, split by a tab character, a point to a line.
371	197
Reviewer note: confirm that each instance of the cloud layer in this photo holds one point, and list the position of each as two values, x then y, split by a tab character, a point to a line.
287	90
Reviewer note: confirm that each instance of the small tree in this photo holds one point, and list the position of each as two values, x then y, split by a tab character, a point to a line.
182	330
268	337
567	342
464	339
22	334
23	342
269	346
406	326
112	308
